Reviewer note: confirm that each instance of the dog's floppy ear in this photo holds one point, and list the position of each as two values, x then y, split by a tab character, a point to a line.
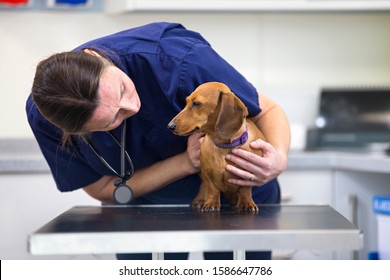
231	115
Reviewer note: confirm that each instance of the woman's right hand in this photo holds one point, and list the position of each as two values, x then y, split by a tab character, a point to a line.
193	150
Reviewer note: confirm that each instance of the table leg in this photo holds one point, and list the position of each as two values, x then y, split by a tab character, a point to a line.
239	255
157	256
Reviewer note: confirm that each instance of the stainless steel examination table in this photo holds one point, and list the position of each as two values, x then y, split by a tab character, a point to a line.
178	228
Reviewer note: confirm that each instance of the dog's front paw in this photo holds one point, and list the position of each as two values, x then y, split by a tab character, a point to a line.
247	206
211	207
197	204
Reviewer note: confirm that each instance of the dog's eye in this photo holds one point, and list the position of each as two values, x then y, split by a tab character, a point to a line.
196	104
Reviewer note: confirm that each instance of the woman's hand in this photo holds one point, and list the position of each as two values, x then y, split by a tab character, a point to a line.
193	150
254	170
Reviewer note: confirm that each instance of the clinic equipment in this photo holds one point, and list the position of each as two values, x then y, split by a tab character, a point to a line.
122	193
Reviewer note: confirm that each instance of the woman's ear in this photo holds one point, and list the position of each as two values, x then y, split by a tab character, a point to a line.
91	52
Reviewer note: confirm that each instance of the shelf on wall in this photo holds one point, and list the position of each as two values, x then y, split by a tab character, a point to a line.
123	6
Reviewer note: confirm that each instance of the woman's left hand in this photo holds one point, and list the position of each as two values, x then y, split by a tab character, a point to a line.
252	169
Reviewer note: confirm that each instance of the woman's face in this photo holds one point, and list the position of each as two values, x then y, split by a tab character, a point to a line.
118	100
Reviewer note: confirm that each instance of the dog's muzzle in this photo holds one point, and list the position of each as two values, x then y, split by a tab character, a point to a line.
172	126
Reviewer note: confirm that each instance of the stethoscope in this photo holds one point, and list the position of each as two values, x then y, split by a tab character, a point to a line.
122	193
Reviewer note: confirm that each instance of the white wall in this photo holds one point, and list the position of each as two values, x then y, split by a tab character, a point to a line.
288	56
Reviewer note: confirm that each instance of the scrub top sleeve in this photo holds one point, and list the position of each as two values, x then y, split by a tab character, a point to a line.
202	64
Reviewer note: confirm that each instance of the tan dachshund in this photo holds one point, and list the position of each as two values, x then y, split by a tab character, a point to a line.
214	110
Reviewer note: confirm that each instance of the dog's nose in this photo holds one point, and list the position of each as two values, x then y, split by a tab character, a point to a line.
172	126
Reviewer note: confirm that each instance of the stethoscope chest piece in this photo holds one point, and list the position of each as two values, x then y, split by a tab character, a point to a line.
123	194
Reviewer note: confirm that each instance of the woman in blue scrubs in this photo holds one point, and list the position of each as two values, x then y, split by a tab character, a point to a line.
143	75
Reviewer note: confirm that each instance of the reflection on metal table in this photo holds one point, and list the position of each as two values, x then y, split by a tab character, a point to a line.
178	228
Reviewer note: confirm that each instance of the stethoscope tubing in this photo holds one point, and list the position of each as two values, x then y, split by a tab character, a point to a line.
122	193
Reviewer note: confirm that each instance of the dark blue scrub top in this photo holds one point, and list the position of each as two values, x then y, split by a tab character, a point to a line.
166	62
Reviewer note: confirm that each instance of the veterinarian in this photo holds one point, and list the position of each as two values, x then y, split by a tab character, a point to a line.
81	100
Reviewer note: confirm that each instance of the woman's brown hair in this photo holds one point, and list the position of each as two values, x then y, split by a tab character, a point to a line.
65	89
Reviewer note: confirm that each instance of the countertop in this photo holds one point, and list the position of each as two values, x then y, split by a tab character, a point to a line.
340	160
23	156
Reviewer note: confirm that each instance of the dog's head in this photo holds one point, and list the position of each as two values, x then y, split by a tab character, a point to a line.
213	109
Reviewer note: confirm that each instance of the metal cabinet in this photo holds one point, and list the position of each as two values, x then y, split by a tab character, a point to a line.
26	202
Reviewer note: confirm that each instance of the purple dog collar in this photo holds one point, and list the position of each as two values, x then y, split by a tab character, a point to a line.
236	142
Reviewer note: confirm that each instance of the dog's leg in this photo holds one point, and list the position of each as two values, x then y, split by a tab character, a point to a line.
200	199
213	202
245	201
